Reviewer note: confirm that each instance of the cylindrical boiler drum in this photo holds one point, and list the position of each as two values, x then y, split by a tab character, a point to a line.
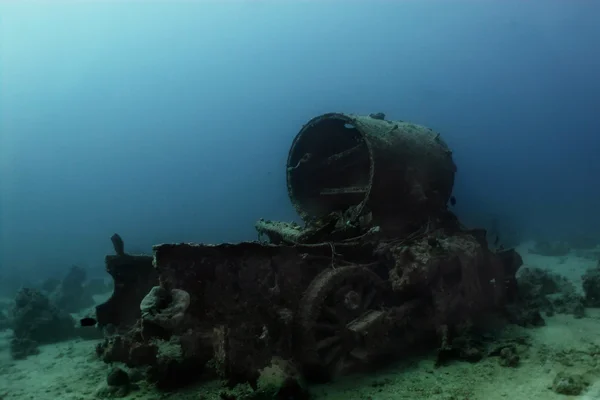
399	172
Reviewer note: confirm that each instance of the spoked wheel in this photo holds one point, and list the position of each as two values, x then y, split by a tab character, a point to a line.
334	317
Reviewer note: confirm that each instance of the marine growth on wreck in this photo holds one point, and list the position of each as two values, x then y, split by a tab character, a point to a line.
380	270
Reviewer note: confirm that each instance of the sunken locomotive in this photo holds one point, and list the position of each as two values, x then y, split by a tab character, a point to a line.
379	267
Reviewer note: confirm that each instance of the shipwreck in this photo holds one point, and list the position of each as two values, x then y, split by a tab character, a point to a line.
380	267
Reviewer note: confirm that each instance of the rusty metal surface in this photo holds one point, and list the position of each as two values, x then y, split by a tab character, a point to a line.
251	290
391	269
328	313
338	319
227	281
405	171
329	308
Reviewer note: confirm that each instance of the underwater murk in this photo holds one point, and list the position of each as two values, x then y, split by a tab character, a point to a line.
298	200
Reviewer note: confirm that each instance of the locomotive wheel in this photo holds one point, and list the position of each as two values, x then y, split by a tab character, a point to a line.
326	346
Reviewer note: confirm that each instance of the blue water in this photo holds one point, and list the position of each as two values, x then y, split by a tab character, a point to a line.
171	122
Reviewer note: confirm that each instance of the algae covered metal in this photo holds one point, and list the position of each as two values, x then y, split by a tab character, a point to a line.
396	172
379	267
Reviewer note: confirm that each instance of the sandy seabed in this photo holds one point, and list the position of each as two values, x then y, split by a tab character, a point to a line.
71	371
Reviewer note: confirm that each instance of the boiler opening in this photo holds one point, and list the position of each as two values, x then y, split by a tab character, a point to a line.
329	168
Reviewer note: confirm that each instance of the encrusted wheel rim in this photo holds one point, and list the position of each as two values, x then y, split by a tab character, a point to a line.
335	298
